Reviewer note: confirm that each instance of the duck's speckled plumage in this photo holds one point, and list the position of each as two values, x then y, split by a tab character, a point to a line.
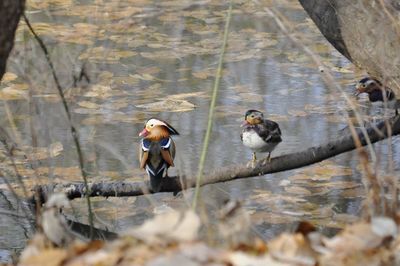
377	92
259	134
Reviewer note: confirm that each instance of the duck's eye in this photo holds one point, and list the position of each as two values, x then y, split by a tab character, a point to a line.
363	86
252	116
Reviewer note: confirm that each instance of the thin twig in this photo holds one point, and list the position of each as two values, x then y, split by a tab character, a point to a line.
73	130
212	107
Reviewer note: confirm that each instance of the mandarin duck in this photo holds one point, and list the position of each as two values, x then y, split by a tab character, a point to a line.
377	92
259	134
157	151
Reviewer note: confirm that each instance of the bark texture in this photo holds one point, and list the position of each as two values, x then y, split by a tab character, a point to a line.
367	32
286	162
10	13
323	13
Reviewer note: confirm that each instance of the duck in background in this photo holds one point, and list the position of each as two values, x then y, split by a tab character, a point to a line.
259	134
377	92
157	150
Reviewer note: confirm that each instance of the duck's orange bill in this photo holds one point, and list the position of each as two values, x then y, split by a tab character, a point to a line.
144	133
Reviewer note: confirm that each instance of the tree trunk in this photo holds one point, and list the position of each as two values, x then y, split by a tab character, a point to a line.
367	32
323	13
10	13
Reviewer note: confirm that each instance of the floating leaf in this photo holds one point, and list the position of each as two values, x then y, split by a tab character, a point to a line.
102	54
161	55
89	105
107	10
298	190
185	95
8	76
99	91
79	33
44	4
16	91
327	168
169	17
168	105
53	150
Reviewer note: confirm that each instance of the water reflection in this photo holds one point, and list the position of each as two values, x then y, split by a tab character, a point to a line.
155	50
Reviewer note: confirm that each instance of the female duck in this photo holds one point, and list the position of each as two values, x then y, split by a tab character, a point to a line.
377	92
259	134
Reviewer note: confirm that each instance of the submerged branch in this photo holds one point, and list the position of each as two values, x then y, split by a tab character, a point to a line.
285	162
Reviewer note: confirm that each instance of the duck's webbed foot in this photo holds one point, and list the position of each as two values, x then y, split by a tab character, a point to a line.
269	157
252	163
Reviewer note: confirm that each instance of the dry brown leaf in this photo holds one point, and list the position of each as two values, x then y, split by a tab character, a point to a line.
102	54
8	76
170	226
168	105
298	190
292	248
46	257
17	91
90	105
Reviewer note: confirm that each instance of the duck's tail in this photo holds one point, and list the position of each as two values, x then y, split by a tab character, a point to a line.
155	177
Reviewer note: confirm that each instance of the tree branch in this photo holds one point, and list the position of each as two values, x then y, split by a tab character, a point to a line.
285	162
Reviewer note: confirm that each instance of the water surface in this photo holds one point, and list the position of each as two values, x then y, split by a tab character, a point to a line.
138	53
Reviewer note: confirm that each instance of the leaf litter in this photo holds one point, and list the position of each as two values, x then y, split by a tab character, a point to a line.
173	238
209	47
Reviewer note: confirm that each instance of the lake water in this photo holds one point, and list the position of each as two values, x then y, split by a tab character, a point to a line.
149	58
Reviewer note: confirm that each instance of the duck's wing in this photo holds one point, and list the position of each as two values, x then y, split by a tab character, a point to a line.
168	150
269	131
144	152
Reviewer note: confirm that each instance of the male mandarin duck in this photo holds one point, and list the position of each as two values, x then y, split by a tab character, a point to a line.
157	150
259	134
377	92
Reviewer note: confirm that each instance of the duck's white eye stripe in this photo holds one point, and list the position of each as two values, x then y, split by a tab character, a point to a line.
369	82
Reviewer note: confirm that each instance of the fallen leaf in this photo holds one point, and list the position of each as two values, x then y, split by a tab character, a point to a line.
168	105
8	76
89	105
169	226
